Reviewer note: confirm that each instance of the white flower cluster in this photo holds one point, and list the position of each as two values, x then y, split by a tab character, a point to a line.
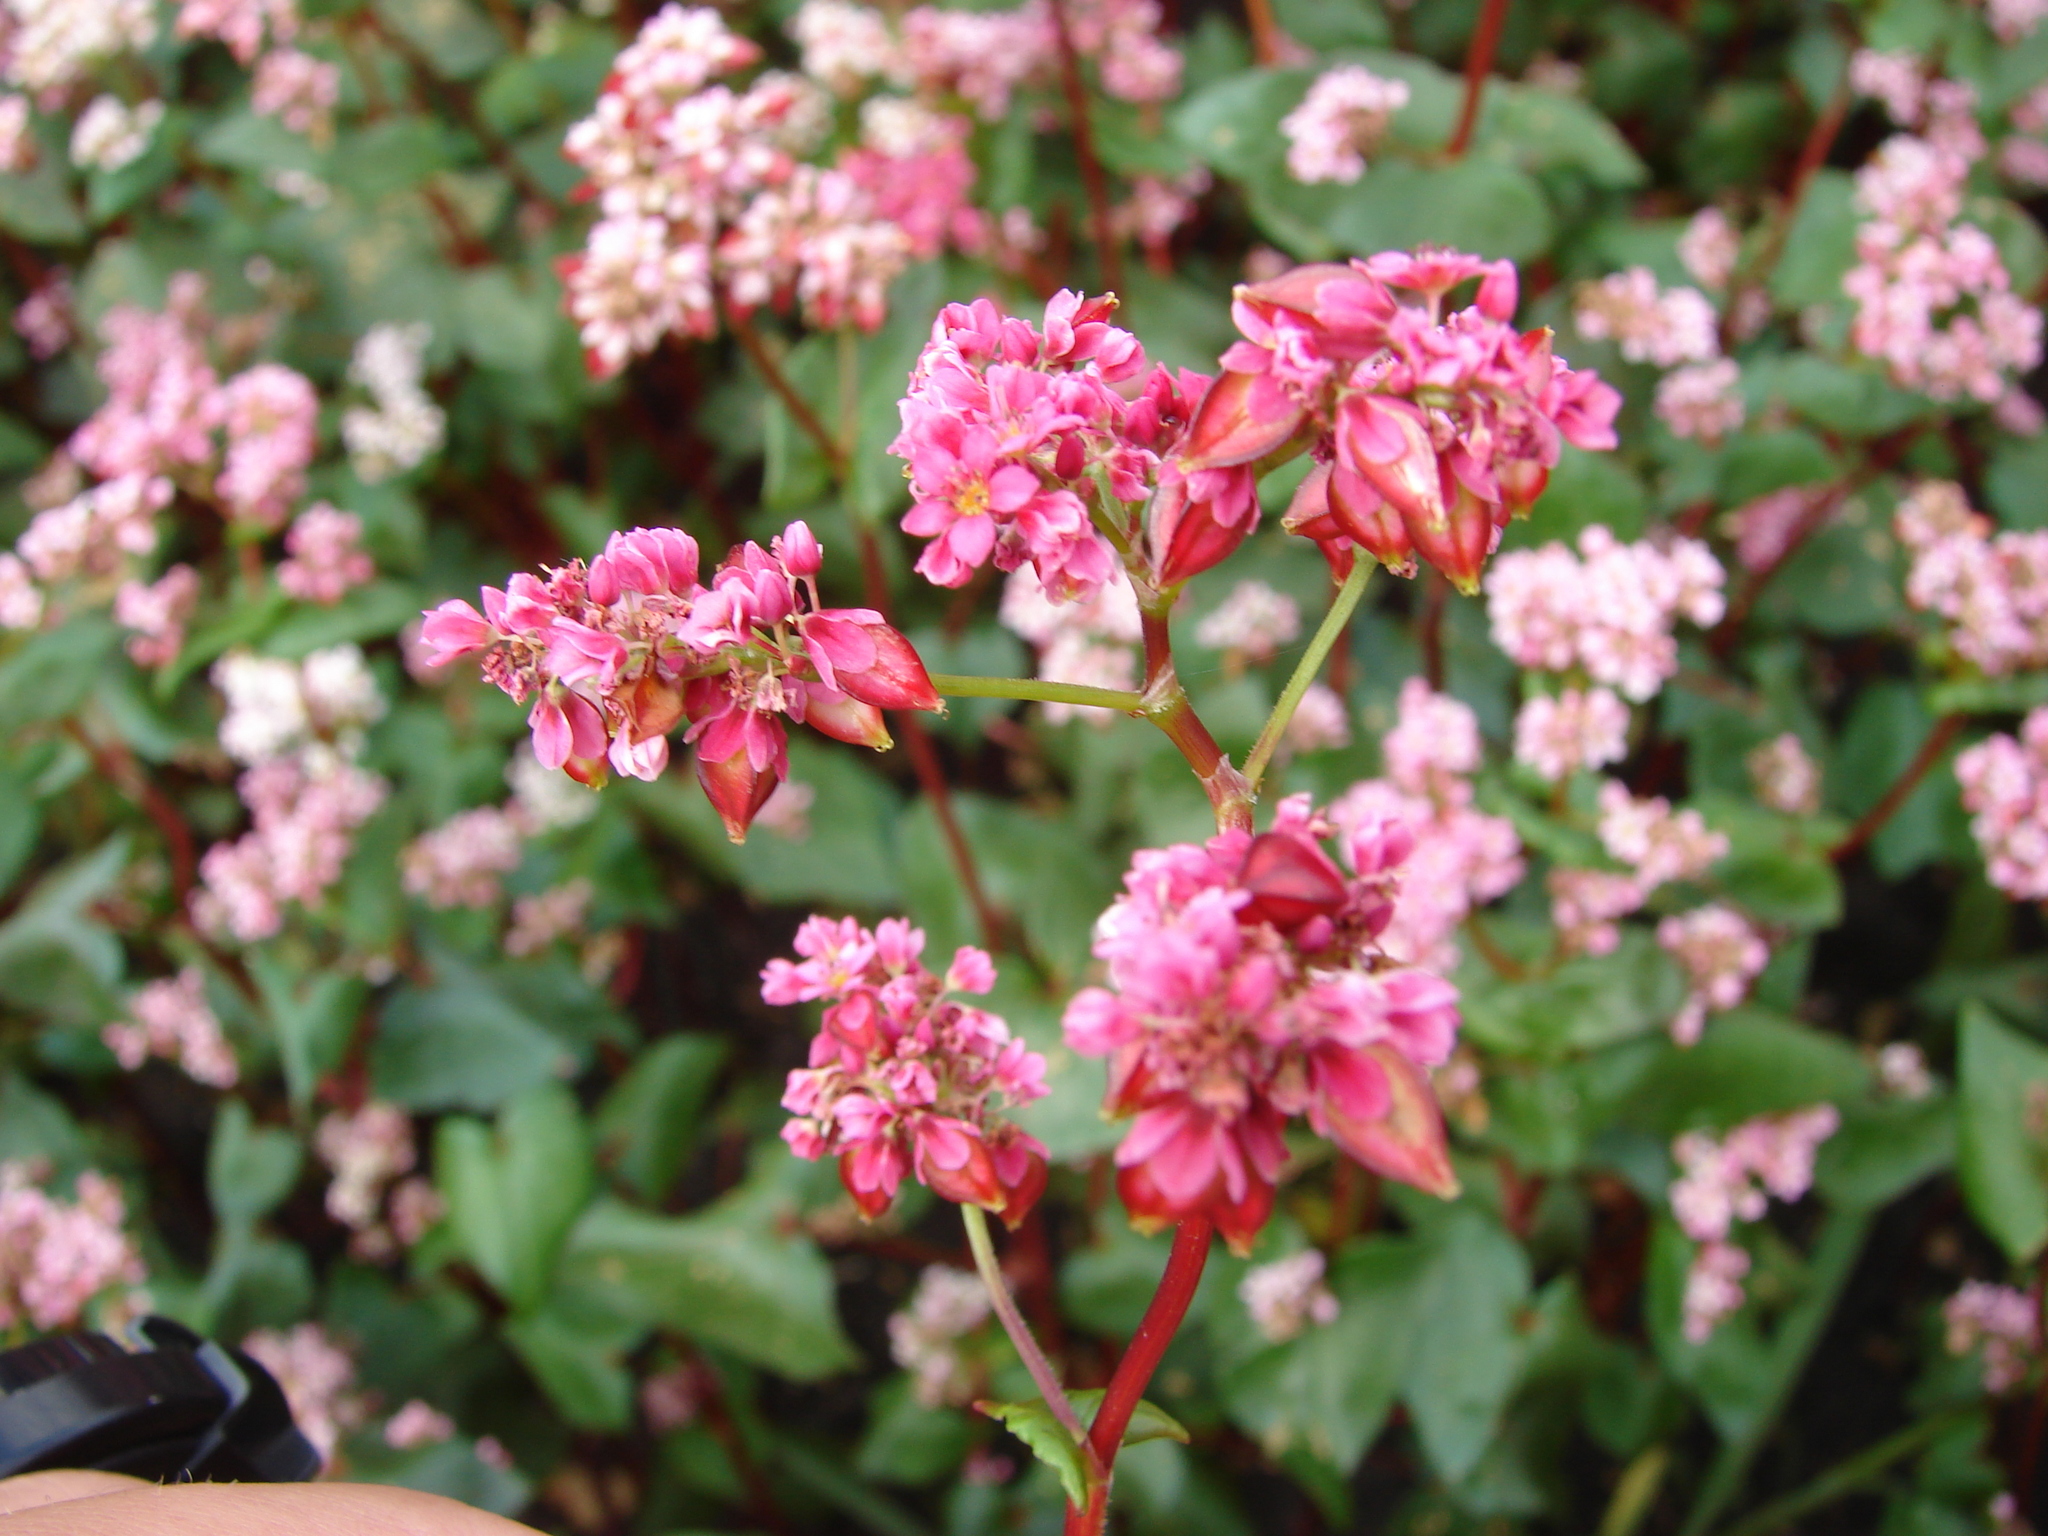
403	426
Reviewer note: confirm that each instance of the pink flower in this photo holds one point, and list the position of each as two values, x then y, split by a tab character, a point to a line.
2004	1321
366	1151
317	1376
416	1424
1576	729
902	1081
924	1337
1288	1296
461	862
1343	116
1658	843
297	89
172	1019
1701	401
327	559
270	413
1246	988
57	1258
157	614
2005	789
1721	955
1664	327
1785	778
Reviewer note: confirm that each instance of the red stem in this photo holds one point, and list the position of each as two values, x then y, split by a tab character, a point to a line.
1092	179
1478	65
1265	30
1874	819
1134	1372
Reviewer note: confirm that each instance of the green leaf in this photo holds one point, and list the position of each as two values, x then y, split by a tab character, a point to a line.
1033	1423
731	1276
2019	468
1468	1349
460	1044
501	324
313	1018
1541	130
650	1120
38	206
248	1170
2002	1148
1328	1391
1750	1062
1882	1150
57	960
908	1443
578	1365
1480	206
51	674
514	1192
367	613
1820	247
1586	1003
247	141
457	39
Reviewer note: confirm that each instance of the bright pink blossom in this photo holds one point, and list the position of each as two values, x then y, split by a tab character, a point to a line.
1247	987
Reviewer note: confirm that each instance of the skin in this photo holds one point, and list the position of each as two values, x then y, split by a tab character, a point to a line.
104	1504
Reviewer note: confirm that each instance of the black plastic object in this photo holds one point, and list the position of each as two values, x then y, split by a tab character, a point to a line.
170	1406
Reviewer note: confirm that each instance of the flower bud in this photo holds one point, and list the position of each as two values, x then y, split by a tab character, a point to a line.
453	629
1291	881
1402	1136
841	717
1242	417
1388	442
1370	520
798	550
1199	520
737	790
565	725
1457	540
858	653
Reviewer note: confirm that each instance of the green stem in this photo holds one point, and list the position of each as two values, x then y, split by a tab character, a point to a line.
1834	1259
1848	1475
1043	1376
1036	688
1635	1494
1311	663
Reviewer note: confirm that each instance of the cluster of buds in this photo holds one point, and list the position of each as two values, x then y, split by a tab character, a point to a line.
617	653
903	1079
1429	431
1723	1182
1249	988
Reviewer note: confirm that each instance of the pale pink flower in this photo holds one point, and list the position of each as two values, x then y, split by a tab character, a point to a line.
1665	327
415	1207
557	913
110	134
1656	842
2005	789
21	604
492	1453
297	89
1341	119
163	400
270	415
240	24
158	614
171	1019
845	46
672	1398
1766	528
416	1424
1702	401
1434	746
365	1151
56	1258
1587	904
317	1376
1898	80
1902	1071
17	139
787	812
1721	955
1713	1289
326	555
306	808
48	318
2004	1322
462	862
89	535
1288	1296
1786	779
1558	736
1709	248
1157	207
1993	589
1254	620
1608	610
2015	19
924	1336
1320	721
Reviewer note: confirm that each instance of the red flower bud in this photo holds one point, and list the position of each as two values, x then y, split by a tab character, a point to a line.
1199	520
858	653
1457	540
737	791
1370	520
798	548
1388	442
1309	515
842	718
952	1160
1242	417
1291	881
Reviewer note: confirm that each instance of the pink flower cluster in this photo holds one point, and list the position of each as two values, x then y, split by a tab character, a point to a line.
326	558
369	1151
2005	790
305	809
55	1258
1557	735
1660	326
462	862
1709	248
1606	612
1727	1181
704	190
1992	588
1462	858
1247	988
1934	302
1341	120
1657	844
317	1376
1005	427
1093	641
297	89
1429	431
157	613
903	1080
1785	778
1288	1296
1251	624
2004	1322
171	1019
617	653
1721	955
983	57
924	1337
